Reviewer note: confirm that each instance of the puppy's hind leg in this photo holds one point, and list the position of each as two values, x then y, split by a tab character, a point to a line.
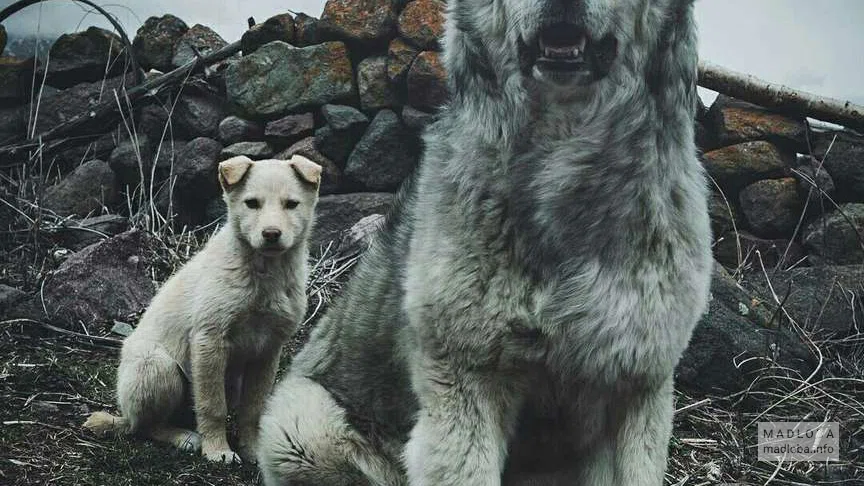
305	438
150	389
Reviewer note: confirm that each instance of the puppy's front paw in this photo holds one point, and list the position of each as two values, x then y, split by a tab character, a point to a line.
226	456
247	453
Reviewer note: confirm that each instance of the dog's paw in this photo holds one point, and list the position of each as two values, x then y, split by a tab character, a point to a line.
190	442
247	453
226	456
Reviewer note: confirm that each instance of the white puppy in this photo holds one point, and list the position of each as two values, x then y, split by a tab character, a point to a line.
215	330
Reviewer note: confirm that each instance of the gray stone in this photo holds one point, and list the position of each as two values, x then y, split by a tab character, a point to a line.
56	107
9	297
253	150
84	56
338	213
16	77
290	129
105	281
278	78
836	238
153	122
122	328
234	129
772	207
77	234
376	91
331	175
812	176
738	165
385	156
130	159
155	41
307	31
364	21
736	121
12	124
422	22
199	37
416	119
345	126
427	81
845	163
400	55
199	116
279	27
86	190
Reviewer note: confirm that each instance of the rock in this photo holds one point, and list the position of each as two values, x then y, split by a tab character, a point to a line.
738	165
345	126
253	150
427	81
736	121
86	190
233	129
416	119
723	213
307	31
811	175
44	409
772	207
11	123
9	298
373	84
76	235
385	155
279	27
337	213
105	281
845	163
822	298
83	57
199	116
290	129
400	55
422	23
774	253
736	327
16	76
132	158
155	41
122	328
61	106
359	20
195	170
836	238
153	121
3	38
69	158
331	175
198	37
278	79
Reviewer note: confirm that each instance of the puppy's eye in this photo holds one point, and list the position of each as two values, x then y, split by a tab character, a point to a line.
252	203
291	204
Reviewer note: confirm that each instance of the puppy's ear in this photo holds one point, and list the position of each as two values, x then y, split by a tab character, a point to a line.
231	171
307	170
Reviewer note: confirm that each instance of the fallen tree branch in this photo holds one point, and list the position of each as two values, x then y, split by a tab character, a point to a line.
780	98
63	134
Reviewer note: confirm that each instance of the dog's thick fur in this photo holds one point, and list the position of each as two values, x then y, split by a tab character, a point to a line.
221	320
519	318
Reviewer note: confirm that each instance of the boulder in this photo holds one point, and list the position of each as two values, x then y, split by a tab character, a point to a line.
105	281
86	190
820	298
416	119
812	176
194	182
338	213
233	129
199	37
132	158
345	125
290	129
57	107
307	31
385	155
723	213
155	41
278	78
427	81
836	238
9	298
78	234
16	77
12	124
400	55
736	121
422	23
772	207
373	85
331	175
100	148
774	253
279	27
84	56
199	116
361	21
253	150
738	165
845	162
735	340
153	122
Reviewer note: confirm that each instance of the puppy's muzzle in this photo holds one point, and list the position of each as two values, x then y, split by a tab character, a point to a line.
271	235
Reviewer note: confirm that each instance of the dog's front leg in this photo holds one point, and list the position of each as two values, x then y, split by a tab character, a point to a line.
463	426
258	379
642	442
209	356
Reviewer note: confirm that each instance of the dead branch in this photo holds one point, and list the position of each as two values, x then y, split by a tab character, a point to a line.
780	98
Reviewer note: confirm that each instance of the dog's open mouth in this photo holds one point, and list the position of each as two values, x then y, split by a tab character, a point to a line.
565	51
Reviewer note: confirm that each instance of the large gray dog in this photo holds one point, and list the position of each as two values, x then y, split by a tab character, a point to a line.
519	318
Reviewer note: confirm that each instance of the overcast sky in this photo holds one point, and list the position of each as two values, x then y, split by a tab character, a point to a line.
816	46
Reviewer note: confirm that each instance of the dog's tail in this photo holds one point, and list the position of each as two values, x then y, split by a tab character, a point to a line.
104	424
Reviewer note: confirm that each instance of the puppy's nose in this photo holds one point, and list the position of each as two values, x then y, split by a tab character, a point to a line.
271	235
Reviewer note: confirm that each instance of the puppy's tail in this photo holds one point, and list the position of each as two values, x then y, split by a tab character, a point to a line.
103	424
